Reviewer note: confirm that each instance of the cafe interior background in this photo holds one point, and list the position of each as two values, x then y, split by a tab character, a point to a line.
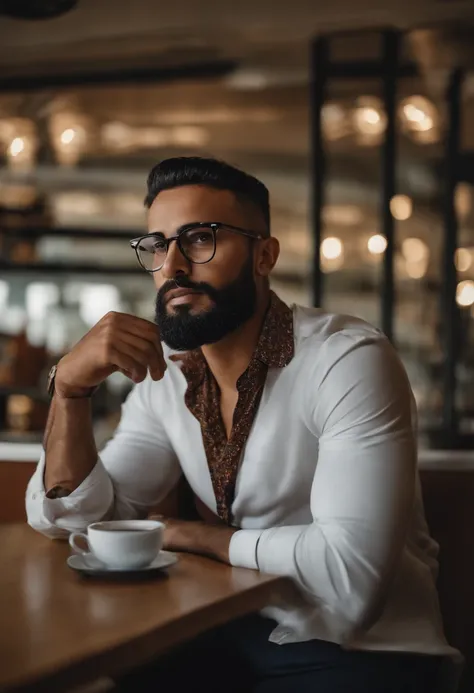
90	101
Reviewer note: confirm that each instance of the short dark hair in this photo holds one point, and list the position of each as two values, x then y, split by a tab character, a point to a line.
194	170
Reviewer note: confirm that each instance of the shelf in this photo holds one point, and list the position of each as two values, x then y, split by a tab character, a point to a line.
58	268
133	76
71	232
35	393
294	278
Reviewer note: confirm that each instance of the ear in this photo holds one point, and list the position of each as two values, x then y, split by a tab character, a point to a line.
266	256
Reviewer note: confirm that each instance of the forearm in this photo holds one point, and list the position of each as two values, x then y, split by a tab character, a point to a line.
69	443
214	541
200	538
344	571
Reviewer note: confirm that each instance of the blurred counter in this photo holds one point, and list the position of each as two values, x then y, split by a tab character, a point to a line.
446	460
20	452
18	461
450	460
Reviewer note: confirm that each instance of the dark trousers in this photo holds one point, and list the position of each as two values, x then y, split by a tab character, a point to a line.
238	658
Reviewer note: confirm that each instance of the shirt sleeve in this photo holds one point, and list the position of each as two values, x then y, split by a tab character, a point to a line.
360	407
134	472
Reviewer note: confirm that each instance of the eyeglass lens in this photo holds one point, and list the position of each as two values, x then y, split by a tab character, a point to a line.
197	245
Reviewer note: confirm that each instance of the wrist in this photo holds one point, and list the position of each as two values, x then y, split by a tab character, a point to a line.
63	390
213	540
198	537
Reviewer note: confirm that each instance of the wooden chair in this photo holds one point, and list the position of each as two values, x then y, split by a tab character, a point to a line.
449	505
14	478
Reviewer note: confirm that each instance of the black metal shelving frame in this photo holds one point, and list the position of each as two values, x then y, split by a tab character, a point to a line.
389	70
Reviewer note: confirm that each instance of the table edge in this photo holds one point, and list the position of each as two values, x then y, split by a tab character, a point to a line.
117	659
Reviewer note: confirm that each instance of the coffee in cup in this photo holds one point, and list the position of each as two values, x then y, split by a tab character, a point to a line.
121	544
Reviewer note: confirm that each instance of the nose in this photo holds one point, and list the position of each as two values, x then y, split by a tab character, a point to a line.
175	263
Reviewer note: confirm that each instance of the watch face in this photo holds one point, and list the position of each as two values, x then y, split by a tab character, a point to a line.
51	377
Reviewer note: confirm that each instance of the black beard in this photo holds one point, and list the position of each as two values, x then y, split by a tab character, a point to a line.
232	307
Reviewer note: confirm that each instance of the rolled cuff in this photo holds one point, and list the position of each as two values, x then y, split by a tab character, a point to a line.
243	548
89	502
276	550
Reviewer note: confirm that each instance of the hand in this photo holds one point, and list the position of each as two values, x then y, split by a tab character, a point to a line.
118	342
196	537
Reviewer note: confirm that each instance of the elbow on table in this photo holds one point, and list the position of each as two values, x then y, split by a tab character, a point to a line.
47	529
57	518
36	519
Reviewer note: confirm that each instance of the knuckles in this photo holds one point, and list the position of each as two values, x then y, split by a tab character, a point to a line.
110	320
150	352
107	351
112	315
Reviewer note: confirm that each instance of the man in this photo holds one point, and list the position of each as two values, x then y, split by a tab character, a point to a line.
293	430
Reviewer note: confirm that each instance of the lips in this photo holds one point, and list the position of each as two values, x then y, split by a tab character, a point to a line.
176	293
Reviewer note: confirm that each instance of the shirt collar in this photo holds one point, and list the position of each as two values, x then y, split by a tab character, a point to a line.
275	347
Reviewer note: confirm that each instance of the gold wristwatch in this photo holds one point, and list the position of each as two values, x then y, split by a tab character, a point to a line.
51	380
51	384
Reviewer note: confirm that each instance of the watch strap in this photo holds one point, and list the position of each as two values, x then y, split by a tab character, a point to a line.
52	382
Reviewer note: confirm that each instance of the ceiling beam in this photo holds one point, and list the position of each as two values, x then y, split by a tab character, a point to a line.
113	76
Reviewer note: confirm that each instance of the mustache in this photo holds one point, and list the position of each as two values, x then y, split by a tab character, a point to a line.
183	282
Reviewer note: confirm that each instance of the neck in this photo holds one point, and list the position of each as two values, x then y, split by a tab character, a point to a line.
230	357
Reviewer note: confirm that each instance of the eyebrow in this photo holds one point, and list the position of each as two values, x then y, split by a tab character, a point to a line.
190	224
157	233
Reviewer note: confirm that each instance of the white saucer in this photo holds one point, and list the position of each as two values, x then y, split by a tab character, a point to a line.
88	565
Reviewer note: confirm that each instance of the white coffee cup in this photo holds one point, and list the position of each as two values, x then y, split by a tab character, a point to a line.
121	544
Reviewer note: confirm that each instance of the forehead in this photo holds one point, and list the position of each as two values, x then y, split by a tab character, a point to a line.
191	203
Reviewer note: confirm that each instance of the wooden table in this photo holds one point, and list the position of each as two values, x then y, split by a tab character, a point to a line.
59	630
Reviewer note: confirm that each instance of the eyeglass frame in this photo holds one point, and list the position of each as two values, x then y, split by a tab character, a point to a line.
215	226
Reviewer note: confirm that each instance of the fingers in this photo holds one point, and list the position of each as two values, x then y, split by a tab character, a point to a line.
127	363
138	326
140	359
137	339
153	358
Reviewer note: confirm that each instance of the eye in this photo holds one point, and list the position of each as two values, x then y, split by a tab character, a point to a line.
158	246
199	237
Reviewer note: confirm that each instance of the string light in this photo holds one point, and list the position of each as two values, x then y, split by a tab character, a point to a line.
369	120
18	136
420	119
377	244
69	134
17	146
401	207
462	200
331	248
462	259
465	293
416	269
333	120
415	250
418	114
332	254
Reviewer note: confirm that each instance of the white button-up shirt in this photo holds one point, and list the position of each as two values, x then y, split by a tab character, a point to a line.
327	490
